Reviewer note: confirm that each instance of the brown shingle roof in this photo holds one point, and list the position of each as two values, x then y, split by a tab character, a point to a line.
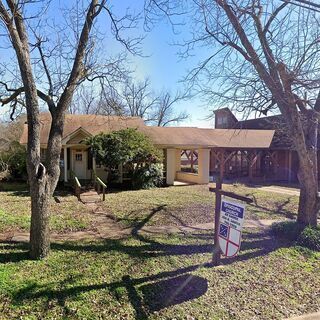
281	139
161	136
219	138
94	124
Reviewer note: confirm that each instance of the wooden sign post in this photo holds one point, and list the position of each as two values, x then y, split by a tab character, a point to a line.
216	259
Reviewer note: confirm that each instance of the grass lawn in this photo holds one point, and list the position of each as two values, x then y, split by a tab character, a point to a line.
67	213
192	205
165	206
159	278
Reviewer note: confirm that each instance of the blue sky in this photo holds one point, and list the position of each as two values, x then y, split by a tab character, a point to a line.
163	66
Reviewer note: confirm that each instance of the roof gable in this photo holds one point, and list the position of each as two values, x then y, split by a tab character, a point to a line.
76	137
92	124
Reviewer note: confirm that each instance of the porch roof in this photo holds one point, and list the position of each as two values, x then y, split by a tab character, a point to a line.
209	138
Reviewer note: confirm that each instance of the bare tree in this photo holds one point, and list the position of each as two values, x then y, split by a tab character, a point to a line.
49	73
138	98
264	55
130	99
164	113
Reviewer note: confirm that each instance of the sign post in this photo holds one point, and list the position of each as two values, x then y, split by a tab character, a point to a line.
216	250
228	226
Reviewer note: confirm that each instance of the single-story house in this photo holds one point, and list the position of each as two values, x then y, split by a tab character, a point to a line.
189	152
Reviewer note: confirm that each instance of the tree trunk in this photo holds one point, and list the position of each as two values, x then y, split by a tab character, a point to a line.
308	205
309	202
305	144
39	231
42	186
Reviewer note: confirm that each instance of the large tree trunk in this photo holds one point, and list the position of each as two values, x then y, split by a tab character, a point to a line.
42	186
305	143
39	231
309	203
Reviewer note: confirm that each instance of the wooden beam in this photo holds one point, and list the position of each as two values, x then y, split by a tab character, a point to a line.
231	195
191	160
228	157
221	165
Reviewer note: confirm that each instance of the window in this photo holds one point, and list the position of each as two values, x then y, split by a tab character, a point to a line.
78	156
222	120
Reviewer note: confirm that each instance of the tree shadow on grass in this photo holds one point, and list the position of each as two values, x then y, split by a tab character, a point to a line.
279	211
149	293
153	292
16	252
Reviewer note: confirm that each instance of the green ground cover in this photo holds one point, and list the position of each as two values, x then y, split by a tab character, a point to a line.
160	206
193	205
67	213
166	277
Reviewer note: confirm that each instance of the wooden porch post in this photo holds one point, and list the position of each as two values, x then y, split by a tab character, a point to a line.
221	165
250	166
65	163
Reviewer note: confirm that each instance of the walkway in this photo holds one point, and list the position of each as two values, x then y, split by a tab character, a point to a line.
311	316
108	228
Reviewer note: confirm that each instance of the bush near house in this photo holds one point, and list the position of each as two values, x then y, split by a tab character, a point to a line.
134	151
13	162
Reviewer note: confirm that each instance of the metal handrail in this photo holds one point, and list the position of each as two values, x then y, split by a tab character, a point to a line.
98	184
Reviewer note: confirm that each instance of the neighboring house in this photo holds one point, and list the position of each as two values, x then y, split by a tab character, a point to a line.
278	163
189	146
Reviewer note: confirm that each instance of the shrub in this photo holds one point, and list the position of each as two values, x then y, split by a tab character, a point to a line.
287	229
132	149
14	161
310	238
148	176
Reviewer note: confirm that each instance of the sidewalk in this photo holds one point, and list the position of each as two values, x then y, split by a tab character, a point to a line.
312	316
109	229
279	189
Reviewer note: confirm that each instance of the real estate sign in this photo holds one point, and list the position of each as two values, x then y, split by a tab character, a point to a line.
230	227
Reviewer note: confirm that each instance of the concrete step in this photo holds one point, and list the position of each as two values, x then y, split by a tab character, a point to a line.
90	197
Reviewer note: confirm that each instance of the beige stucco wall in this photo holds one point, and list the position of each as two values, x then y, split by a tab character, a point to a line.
171	165
174	167
204	165
187	177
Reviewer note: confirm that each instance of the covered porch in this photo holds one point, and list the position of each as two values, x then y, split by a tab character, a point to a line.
253	164
187	165
77	161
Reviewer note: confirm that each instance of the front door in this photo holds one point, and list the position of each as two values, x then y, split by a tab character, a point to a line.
79	160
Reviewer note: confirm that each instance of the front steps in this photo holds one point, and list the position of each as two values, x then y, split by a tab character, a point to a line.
90	196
